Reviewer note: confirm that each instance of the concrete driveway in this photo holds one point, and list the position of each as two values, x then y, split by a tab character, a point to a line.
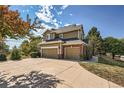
70	73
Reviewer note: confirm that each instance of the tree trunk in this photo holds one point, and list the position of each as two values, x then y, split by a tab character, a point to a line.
113	55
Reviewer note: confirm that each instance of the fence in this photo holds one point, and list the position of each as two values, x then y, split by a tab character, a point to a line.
106	60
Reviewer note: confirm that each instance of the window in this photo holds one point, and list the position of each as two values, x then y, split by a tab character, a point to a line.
57	36
61	35
48	36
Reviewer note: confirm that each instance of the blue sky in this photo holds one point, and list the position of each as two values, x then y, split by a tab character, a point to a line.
108	19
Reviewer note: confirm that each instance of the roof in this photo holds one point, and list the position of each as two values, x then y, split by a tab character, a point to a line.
74	42
66	29
52	42
70	41
65	42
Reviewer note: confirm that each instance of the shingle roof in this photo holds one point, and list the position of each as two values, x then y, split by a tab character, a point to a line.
74	42
66	29
59	41
66	42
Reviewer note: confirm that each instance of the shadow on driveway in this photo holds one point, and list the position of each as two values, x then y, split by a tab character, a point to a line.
34	79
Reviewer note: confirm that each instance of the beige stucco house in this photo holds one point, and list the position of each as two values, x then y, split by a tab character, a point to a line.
64	43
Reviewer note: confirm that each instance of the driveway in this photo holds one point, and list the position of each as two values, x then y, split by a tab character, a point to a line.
43	72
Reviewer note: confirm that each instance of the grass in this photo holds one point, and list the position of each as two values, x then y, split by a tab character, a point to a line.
108	72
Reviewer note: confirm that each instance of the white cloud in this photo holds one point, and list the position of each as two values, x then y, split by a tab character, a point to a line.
56	25
46	15
59	13
55	20
40	31
67	24
43	17
70	14
60	22
64	7
46	26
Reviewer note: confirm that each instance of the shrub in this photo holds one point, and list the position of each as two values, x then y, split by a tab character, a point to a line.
3	57
35	54
106	60
15	55
83	57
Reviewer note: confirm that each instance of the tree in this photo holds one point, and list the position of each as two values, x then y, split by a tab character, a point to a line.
34	41
95	40
13	26
122	40
25	48
15	55
30	46
114	46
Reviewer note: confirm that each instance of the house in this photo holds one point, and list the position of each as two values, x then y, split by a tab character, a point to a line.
122	58
64	43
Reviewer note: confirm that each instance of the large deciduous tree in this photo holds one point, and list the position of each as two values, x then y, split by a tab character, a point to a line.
13	26
95	41
114	46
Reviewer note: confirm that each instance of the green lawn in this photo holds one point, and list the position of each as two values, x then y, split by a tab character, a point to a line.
109	72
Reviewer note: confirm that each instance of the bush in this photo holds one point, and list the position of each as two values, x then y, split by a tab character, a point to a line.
35	54
15	55
83	57
3	57
106	60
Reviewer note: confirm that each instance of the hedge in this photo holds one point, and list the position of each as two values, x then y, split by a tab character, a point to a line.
3	57
106	60
35	54
15	55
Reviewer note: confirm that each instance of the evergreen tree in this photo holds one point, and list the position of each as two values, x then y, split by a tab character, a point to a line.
94	40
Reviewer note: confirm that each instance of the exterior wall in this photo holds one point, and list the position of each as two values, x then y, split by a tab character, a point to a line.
81	35
73	34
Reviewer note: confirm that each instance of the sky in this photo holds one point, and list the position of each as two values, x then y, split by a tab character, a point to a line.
108	19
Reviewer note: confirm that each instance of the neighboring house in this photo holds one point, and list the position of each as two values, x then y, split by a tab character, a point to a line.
64	43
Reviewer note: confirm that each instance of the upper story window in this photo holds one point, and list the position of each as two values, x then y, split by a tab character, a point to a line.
61	35
48	37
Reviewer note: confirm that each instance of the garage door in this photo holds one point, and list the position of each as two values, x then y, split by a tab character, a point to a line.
50	53
72	53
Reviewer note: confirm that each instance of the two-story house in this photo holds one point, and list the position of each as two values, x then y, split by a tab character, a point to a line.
64	43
